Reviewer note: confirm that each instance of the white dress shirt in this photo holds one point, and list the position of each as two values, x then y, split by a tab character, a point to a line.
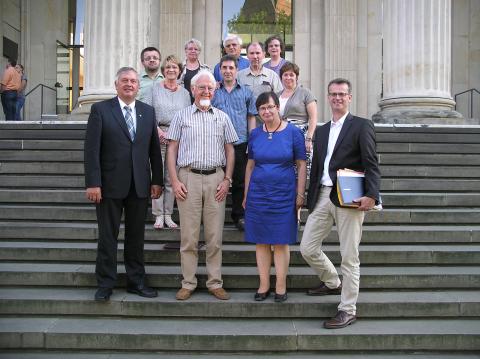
335	128
134	112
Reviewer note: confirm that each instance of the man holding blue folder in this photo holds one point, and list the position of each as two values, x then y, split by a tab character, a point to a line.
346	141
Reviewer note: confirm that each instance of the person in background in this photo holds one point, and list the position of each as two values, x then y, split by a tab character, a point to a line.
233	47
192	64
346	141
21	92
167	98
151	74
298	106
238	103
9	87
274	47
273	193
257	77
201	144
123	169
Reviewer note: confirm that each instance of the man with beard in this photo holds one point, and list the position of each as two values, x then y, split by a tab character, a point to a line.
201	145
151	74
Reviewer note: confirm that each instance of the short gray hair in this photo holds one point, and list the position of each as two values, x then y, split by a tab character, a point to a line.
231	37
123	70
203	73
196	42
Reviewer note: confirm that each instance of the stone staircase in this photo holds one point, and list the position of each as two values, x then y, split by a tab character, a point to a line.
420	284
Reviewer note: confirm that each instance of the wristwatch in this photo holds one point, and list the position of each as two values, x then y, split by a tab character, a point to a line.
228	179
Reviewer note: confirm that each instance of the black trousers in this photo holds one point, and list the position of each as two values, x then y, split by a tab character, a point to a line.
109	213
238	181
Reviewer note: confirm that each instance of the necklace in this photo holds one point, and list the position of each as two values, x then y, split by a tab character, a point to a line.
172	89
270	134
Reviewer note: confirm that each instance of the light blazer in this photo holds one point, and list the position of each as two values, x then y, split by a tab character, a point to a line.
355	149
112	158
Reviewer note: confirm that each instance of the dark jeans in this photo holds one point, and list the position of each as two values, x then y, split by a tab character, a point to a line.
18	112
9	103
238	181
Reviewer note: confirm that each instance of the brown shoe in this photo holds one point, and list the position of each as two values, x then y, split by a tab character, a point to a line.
324	290
340	320
183	294
219	293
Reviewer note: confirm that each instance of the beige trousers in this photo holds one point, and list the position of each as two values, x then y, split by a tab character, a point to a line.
349	227
200	203
164	204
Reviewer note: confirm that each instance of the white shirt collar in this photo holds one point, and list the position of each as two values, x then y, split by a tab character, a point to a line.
123	104
339	122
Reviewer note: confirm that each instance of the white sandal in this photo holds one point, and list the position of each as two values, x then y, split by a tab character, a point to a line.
158	223
169	222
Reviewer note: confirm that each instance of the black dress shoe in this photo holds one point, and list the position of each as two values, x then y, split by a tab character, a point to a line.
143	291
240	224
103	294
280	297
340	320
324	290
260	297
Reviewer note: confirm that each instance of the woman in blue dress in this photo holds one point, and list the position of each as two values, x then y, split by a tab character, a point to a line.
273	194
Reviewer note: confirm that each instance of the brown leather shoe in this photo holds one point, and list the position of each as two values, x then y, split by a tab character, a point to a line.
219	293
324	290
183	294
340	320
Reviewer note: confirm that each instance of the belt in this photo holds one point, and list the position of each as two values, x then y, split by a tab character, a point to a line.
323	186
203	172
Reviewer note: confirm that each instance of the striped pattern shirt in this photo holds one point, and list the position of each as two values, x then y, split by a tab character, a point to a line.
202	137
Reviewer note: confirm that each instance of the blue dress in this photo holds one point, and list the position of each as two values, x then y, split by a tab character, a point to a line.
270	215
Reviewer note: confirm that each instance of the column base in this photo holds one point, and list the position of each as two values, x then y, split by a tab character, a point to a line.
418	110
85	102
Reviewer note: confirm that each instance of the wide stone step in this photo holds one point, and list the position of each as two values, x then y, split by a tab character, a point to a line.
431	172
113	354
433	148
371	304
387	216
371	234
391	199
242	335
41	156
42	168
44	181
244	277
429	159
161	253
60	144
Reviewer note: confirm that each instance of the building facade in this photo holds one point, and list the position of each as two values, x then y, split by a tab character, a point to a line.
406	59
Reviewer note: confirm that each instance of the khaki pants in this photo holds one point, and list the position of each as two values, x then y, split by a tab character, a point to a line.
164	204
200	203
349	226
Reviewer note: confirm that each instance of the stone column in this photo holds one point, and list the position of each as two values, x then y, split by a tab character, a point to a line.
115	33
417	63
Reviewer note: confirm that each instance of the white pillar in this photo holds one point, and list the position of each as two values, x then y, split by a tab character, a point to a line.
115	33
416	62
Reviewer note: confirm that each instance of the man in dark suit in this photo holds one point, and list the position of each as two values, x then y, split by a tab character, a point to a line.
349	142
123	168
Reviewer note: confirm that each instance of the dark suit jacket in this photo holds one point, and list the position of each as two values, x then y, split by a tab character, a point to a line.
355	149
112	159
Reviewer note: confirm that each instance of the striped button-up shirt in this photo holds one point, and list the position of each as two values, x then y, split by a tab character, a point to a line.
202	137
238	105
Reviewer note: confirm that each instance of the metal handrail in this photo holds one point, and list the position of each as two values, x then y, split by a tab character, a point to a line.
471	91
42	86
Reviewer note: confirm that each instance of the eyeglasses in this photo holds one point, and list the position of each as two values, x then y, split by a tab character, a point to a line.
338	94
154	58
266	108
206	88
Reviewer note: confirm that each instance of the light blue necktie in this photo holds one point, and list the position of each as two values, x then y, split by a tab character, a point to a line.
129	121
